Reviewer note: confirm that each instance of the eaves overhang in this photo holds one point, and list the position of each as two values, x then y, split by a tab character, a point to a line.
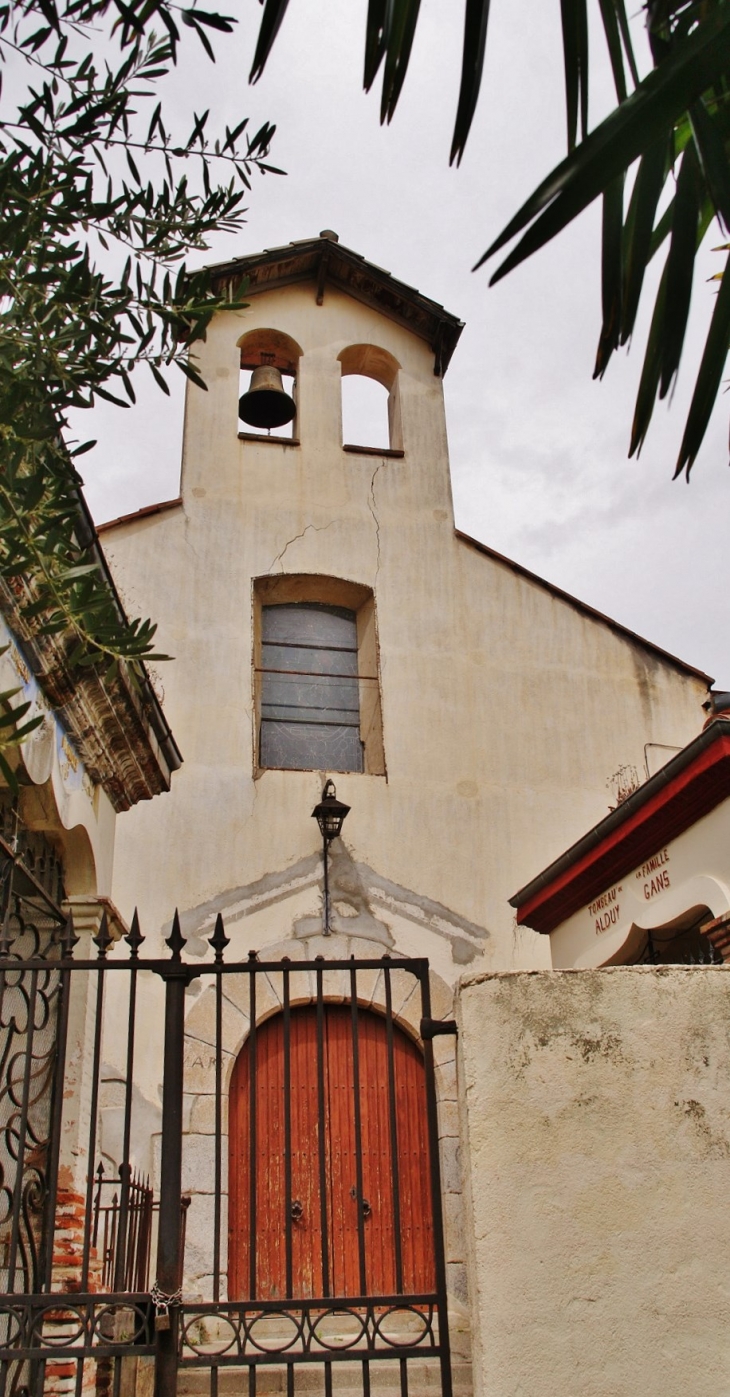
324	262
675	798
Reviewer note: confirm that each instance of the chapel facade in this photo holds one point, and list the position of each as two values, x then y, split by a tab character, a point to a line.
330	625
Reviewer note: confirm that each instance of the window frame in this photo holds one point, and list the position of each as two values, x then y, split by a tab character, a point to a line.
310	691
286	589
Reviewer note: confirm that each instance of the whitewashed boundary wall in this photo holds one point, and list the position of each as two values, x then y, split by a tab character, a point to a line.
596	1126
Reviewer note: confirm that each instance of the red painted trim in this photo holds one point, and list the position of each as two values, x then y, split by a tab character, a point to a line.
678	805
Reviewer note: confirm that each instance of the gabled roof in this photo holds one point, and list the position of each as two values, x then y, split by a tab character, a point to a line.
324	261
146	512
584	608
676	797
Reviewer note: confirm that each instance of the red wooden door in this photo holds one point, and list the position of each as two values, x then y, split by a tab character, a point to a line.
326	1145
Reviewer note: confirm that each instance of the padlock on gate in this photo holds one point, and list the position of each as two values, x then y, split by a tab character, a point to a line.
162	1318
162	1303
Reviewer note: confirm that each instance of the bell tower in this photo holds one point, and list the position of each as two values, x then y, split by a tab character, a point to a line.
318	313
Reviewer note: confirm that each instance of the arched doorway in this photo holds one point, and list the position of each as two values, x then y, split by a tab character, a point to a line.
340	1204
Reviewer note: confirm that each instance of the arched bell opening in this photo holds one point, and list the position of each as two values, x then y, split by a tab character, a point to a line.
267	384
329	1179
370	399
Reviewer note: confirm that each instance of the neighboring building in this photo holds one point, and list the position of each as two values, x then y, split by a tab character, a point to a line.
595	1103
102	746
327	620
649	884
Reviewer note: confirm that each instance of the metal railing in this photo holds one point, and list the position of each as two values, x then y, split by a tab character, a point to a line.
317	1234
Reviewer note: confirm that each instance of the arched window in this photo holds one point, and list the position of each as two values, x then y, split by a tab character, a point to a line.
275	350
310	700
364	412
370	401
681	941
317	687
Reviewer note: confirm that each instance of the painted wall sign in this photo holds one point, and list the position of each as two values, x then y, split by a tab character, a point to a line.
654	877
606	910
646	882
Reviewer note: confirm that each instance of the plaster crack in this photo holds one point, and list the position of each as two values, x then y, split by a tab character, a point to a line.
376	521
254	802
186	535
316	528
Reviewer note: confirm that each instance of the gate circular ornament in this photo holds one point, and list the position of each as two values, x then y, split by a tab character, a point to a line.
120	1324
207	1344
272	1332
12	1326
339	1339
403	1337
60	1325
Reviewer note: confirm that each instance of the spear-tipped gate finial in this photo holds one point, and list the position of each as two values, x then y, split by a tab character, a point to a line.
134	937
219	940
103	938
175	940
69	939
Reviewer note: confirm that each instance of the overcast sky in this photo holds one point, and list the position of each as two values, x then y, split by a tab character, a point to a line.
538	451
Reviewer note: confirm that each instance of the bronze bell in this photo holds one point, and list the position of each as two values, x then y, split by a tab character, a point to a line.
266	404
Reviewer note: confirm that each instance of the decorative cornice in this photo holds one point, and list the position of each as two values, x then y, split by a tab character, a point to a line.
87	912
125	746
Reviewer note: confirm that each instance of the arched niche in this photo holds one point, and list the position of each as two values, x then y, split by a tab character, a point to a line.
678	941
371	417
39	813
279	351
370	361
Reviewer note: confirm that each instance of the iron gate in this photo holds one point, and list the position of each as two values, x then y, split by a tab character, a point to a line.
77	1327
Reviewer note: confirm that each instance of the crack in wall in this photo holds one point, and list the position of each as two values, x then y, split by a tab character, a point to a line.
376	521
186	535
255	786
316	528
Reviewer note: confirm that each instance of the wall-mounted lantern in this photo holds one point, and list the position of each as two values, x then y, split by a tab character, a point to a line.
330	816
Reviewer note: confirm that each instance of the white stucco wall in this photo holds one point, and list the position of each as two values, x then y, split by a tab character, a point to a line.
505	709
596	1146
